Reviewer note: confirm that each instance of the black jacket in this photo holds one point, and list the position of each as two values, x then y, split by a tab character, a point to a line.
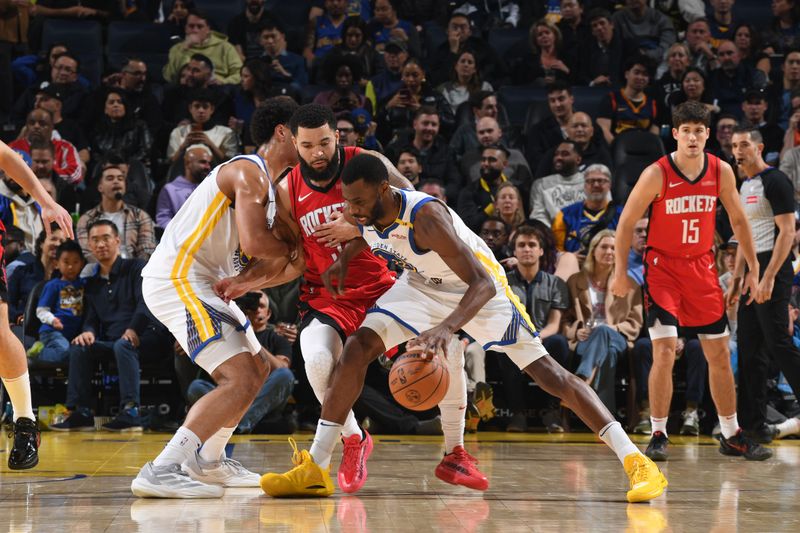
115	304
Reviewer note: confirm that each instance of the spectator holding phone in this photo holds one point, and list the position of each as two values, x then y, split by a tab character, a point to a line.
222	140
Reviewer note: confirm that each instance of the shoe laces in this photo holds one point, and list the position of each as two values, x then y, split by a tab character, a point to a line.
462	454
234	464
18	432
297	456
639	473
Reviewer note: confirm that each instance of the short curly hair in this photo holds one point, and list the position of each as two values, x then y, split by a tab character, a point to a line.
274	111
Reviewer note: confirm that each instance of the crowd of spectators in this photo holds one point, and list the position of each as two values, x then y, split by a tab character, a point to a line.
424	82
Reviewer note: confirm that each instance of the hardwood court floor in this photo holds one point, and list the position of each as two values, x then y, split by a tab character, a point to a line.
538	483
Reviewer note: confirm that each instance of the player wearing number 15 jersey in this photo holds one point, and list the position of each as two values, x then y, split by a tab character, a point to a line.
680	279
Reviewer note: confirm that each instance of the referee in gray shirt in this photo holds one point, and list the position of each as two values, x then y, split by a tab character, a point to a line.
767	196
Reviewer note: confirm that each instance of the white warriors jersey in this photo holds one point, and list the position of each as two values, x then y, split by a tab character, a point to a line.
202	242
396	244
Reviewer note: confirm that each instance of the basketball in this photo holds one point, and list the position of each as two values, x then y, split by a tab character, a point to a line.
417	383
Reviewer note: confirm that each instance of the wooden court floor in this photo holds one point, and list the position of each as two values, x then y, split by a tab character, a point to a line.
538	483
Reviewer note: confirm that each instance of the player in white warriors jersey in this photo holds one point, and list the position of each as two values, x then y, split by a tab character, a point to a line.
230	223
452	281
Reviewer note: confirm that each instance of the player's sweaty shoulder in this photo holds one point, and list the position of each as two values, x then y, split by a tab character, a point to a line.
242	177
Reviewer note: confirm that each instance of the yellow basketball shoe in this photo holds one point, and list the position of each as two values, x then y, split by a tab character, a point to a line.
307	478
647	481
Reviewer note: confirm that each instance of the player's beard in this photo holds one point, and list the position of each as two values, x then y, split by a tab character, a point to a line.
324	175
377	213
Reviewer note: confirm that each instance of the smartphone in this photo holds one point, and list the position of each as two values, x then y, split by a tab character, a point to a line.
197	127
404	93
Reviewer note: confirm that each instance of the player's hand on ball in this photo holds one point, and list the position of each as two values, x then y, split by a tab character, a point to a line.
620	285
432	341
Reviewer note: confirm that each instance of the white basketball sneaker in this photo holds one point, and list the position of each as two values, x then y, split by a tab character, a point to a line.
171	481
226	472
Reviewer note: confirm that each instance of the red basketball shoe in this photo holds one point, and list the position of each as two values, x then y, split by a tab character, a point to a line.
353	470
458	468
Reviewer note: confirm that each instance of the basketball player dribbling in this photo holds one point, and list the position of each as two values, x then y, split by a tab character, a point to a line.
451	281
313	190
24	451
231	222
681	285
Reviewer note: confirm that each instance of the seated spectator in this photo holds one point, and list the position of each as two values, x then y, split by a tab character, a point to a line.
650	30
599	325
324	29
545	298
464	81
600	62
574	27
482	104
356	43
27	275
245	29
118	131
138	185
39	127
43	165
592	146
677	62
552	193
343	74
254	88
476	200
32	70
142	103
387	26
784	31
201	40
434	188
732	79
18	208
721	20
64	77
202	130
60	307
115	319
347	130
545	61
636	255
434	154
754	108
176	19
66	129
551	130
576	224
748	41
508	206
399	110
198	73
489	134
196	166
14	252
787	90
285	67
459	37
132	226
388	81
702	52
494	232
694	87
268	405
629	107
561	264
409	165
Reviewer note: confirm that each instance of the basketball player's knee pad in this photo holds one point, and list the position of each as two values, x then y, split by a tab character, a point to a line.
321	347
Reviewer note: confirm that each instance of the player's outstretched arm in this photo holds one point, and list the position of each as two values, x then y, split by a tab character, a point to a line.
741	228
13	165
396	179
647	189
433	230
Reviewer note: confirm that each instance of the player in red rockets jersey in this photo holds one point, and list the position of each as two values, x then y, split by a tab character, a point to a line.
681	285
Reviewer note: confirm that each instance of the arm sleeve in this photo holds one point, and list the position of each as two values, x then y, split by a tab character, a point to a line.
560	296
90	319
779	192
691	10
67	164
47	301
163	209
538	209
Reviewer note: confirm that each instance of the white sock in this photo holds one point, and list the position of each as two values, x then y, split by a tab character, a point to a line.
180	448
19	391
729	425
790	426
324	442
454	403
214	448
616	438
350	426
659	424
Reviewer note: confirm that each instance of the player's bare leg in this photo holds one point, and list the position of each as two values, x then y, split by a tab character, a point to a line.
660	394
646	481
210	422
14	373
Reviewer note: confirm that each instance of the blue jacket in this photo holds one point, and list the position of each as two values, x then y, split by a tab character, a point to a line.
65	301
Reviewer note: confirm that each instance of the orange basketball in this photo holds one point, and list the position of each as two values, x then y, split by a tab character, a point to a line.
417	383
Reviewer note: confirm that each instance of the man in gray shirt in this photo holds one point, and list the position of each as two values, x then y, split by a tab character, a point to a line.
552	193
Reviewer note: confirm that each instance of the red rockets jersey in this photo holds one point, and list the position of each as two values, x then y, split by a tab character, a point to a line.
312	206
683	218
